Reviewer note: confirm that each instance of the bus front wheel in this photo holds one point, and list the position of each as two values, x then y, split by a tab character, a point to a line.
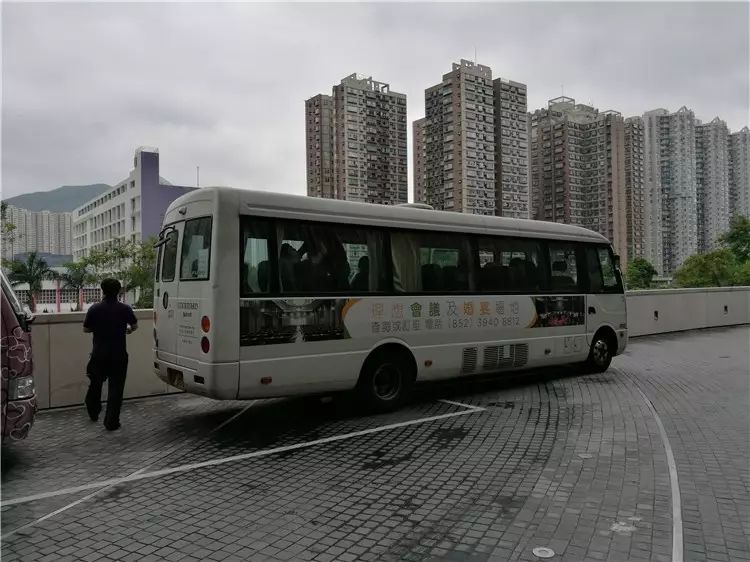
387	378
601	353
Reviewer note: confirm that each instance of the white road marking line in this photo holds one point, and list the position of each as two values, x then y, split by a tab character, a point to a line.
234	417
677	547
233	458
469	406
139	471
65	508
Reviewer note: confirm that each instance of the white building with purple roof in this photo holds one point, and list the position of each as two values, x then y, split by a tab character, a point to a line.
132	210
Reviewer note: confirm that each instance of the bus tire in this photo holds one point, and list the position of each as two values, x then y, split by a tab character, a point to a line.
386	379
603	348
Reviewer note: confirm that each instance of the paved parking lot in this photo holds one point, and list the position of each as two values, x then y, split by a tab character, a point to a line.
481	470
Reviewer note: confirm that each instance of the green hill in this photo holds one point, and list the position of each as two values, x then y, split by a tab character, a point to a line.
65	198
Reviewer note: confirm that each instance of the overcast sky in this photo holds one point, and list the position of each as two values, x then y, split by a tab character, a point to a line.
223	86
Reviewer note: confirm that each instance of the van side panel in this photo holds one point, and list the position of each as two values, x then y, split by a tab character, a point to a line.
16	359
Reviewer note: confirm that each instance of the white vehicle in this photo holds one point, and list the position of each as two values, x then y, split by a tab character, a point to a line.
263	294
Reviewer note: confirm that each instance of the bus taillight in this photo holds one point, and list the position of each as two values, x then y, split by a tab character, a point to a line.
205	324
205	345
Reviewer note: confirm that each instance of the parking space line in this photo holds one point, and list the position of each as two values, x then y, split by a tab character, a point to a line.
477	408
139	471
677	547
64	508
255	454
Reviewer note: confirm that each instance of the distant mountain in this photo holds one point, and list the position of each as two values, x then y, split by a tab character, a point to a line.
65	198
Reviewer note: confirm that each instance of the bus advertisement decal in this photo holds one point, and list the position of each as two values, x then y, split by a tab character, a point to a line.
266	322
559	311
280	321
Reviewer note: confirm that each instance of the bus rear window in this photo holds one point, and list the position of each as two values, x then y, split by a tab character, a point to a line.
169	259
196	250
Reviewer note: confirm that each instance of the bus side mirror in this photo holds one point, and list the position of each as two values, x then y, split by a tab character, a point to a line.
617	261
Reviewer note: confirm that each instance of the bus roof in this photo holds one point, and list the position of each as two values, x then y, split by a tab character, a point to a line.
303	207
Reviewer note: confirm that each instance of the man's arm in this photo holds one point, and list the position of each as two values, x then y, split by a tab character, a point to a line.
88	322
132	321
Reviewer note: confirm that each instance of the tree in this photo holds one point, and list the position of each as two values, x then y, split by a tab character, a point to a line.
737	239
99	263
742	274
132	263
32	271
138	276
7	228
639	274
714	269
76	276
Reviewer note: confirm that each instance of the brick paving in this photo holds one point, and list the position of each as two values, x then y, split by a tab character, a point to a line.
574	463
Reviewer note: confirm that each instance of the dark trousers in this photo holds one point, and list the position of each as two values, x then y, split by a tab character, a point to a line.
114	371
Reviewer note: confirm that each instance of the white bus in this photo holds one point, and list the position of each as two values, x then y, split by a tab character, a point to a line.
264	295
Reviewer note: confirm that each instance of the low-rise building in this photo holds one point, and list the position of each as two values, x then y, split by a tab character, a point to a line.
132	210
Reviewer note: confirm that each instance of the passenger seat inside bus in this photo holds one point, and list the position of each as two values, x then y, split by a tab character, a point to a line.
492	277
559	279
263	276
432	277
361	281
451	279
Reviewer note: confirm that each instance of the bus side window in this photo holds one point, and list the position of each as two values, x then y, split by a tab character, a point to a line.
510	264
564	268
593	269
431	262
255	269
324	258
610	279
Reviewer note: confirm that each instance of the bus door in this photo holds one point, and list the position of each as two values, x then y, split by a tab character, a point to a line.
165	302
605	300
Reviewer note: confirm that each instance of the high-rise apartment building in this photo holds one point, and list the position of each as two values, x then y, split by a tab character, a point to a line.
671	186
474	138
44	232
511	149
132	210
739	173
363	127
419	157
634	178
460	141
578	169
319	144
712	182
653	235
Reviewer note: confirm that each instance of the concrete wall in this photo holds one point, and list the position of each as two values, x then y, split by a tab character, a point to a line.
675	310
61	349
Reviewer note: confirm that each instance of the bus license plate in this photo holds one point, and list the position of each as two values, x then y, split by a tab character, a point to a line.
175	378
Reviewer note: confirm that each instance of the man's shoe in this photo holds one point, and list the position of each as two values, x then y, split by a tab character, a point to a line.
94	418
112	427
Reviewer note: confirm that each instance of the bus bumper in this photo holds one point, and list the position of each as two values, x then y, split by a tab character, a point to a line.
622	341
214	380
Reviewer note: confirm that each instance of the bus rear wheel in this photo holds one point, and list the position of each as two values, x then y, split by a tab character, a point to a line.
600	354
387	378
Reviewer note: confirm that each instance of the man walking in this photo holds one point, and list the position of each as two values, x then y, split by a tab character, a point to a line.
109	321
